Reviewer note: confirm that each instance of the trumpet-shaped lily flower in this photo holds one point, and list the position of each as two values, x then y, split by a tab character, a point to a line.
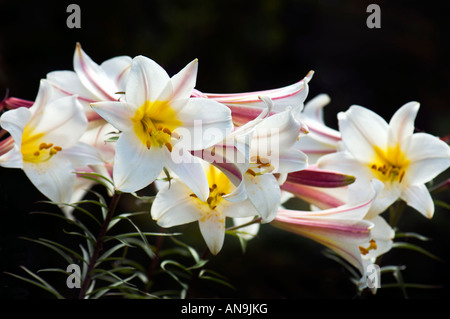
160	124
176	204
392	153
46	143
92	82
344	226
247	106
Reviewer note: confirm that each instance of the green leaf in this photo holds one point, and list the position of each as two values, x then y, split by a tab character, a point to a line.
216	278
404	245
411	235
442	204
39	282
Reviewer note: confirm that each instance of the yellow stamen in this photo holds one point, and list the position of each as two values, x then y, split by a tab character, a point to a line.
372	246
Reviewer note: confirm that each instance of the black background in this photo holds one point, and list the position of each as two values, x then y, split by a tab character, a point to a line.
244	46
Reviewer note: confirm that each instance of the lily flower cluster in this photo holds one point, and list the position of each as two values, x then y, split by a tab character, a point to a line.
230	157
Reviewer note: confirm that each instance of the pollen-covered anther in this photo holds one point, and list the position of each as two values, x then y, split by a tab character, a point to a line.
372	246
148	144
45	146
389	171
55	149
169	146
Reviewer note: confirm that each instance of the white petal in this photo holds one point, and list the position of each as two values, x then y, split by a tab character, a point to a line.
54	178
146	82
291	160
81	155
383	235
402	123
184	81
117	69
135	166
189	169
213	231
429	156
361	130
276	133
14	121
12	159
204	123
118	114
68	83
314	108
419	198
62	121
92	76
174	206
385	198
264	192
344	162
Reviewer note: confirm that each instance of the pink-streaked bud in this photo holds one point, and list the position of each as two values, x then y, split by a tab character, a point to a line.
313	176
14	103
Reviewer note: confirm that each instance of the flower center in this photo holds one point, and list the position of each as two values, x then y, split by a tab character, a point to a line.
154	123
219	186
389	165
259	165
36	151
41	153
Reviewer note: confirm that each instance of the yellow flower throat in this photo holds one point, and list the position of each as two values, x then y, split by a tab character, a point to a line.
154	123
389	165
36	151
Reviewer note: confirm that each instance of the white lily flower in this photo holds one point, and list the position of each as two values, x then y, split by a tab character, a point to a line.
46	143
391	153
176	204
265	146
160	124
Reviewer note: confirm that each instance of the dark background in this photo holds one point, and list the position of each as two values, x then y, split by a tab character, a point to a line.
244	46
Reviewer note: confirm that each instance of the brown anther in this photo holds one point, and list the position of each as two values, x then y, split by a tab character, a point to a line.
209	200
251	172
160	127
149	131
169	146
149	144
45	146
363	250
214	186
374	166
213	207
53	151
167	131
36	153
193	195
57	148
401	176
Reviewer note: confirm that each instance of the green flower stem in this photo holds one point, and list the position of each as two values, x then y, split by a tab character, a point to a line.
99	243
396	212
